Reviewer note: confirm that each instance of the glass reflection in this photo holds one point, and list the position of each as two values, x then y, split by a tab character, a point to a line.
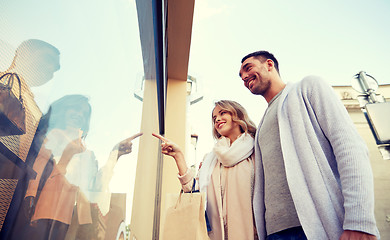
68	180
33	65
35	61
61	178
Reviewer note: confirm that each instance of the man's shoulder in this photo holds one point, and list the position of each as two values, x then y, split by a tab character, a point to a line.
309	83
311	80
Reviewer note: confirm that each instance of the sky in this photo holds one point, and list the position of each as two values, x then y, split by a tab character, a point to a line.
332	39
101	56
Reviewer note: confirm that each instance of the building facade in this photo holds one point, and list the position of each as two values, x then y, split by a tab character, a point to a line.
380	166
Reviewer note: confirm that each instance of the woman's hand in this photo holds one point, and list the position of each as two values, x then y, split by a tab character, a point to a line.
125	146
29	207
170	148
74	147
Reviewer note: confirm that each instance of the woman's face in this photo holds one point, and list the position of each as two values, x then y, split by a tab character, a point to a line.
77	117
224	125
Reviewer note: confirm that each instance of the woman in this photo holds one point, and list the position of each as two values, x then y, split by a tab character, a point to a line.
74	180
226	174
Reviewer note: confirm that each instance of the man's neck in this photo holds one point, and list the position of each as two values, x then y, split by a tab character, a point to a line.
276	87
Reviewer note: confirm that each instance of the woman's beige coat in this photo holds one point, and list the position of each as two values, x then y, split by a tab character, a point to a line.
230	214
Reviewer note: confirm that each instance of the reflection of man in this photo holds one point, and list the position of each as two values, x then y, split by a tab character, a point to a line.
313	173
35	62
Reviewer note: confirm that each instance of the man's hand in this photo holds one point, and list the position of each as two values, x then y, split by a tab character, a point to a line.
356	235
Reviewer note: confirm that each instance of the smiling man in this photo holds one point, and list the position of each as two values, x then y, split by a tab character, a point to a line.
313	174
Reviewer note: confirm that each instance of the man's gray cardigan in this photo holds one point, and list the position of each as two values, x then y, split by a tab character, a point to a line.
327	165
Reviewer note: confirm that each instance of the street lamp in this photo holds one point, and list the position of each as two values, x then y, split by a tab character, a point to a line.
366	84
375	109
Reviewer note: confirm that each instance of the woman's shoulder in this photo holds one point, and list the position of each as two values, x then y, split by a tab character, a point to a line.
207	159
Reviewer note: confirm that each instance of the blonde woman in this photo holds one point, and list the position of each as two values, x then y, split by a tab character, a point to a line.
226	174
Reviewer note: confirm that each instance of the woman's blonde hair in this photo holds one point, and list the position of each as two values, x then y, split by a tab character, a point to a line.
239	116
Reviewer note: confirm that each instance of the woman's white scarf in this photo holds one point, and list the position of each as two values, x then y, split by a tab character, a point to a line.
228	155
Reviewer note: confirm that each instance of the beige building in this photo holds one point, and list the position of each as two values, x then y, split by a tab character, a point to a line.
165	53
380	166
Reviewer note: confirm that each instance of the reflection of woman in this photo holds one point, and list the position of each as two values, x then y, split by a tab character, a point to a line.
75	180
226	174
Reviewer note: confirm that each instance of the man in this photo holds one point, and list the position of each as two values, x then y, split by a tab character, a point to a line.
313	174
35	62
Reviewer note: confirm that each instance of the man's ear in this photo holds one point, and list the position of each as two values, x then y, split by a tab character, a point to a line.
270	64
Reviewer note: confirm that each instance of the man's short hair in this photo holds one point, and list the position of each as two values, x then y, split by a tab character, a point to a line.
262	56
31	45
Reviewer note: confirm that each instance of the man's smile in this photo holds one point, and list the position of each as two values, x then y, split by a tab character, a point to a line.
250	82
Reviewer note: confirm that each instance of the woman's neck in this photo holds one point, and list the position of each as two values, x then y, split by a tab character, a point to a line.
233	136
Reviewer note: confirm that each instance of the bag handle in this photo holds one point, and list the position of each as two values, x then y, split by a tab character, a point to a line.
192	191
7	84
10	83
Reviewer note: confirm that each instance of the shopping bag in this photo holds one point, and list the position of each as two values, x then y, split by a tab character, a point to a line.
185	218
12	112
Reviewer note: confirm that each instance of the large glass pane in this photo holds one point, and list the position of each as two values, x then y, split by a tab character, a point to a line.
67	164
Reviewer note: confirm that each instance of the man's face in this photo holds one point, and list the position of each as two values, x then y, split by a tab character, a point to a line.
40	66
255	75
47	62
